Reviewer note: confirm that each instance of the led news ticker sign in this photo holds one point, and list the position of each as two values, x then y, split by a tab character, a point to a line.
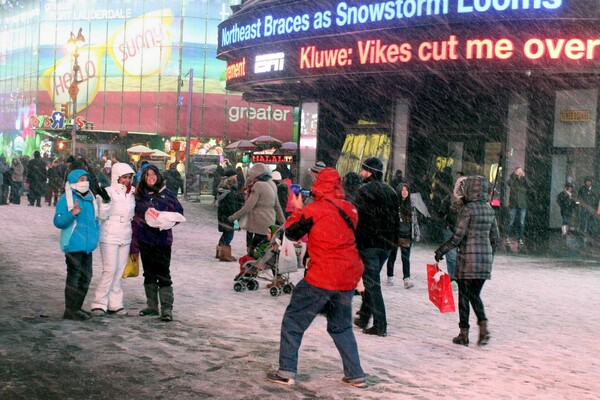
323	17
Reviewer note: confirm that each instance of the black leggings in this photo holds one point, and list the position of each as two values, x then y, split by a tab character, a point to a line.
468	293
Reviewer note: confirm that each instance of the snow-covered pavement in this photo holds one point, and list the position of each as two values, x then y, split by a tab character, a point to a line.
543	317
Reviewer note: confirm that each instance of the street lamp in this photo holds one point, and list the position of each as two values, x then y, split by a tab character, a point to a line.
73	45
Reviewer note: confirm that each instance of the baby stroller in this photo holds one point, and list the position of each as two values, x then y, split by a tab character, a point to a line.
266	268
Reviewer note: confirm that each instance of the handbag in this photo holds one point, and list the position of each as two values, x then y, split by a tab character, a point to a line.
132	269
440	289
404	243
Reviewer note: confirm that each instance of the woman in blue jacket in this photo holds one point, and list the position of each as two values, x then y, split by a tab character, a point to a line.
154	244
77	217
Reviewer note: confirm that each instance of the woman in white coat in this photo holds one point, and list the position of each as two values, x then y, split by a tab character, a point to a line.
115	240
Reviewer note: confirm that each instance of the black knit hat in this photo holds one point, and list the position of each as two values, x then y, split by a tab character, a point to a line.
374	166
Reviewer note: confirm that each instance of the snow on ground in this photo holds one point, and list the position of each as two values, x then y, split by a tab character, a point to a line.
542	312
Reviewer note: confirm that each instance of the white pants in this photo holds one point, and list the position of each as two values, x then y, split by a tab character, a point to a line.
109	293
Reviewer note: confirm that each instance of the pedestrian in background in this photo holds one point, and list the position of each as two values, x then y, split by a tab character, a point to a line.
173	179
567	203
17	172
588	199
351	182
115	241
408	232
4	182
282	190
36	177
333	271
54	183
154	245
76	216
227	204
376	236
476	237
519	191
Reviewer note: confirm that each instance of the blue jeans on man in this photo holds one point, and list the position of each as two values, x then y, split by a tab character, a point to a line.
306	303
511	220
373	305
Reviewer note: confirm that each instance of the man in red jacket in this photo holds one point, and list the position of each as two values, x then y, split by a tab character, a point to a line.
333	271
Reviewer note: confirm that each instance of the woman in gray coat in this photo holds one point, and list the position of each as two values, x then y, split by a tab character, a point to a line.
261	209
476	236
16	180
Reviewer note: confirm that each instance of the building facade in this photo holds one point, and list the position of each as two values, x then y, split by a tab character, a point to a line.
479	86
147	72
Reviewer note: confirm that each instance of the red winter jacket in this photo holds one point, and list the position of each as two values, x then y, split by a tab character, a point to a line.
334	260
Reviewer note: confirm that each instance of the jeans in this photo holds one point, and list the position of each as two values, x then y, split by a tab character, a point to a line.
373	305
79	276
511	220
391	261
156	262
16	188
306	303
405	255
451	255
226	238
468	293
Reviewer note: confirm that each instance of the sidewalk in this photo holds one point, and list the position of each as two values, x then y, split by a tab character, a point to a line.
542	315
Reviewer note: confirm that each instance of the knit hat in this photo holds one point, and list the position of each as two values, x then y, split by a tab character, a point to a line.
229	172
276	175
319	165
374	166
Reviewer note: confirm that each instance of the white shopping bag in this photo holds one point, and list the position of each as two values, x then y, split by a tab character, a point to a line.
289	256
162	220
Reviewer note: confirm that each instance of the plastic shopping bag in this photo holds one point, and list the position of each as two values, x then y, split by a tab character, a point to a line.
132	269
162	220
289	256
440	289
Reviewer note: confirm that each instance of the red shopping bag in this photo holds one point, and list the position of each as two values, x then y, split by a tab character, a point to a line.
440	289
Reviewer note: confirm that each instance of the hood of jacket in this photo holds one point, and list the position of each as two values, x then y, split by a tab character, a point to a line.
74	175
257	170
475	189
118	170
328	185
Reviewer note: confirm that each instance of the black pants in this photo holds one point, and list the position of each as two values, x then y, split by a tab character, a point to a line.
468	293
405	255
79	276
156	262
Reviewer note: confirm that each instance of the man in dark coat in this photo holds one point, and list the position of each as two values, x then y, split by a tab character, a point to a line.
476	236
174	179
519	191
376	236
217	181
36	177
588	198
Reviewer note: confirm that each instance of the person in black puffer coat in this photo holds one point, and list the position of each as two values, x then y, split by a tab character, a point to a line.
227	204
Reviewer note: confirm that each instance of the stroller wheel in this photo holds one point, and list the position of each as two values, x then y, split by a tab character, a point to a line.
288	288
239	287
275	291
253	285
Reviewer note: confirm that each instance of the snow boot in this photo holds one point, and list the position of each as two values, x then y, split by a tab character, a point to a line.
225	254
484	334
166	303
218	253
151	300
463	337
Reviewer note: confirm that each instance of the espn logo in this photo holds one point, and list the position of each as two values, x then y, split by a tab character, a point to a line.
268	63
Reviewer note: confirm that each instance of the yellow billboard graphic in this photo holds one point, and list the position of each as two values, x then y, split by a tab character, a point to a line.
357	147
58	78
142	46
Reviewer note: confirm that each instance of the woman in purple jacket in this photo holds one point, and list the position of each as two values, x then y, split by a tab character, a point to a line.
154	244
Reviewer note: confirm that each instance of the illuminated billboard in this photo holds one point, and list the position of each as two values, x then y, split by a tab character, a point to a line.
319	38
134	69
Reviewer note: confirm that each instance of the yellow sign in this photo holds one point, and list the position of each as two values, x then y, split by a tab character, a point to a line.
575	116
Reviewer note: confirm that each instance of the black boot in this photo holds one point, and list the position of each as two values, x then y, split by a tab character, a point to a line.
463	336
484	334
151	300
73	305
166	303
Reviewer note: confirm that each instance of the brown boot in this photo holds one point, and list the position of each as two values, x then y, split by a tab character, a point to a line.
463	337
225	254
484	334
218	254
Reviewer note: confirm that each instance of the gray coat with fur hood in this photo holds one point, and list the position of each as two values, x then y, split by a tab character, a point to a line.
476	233
262	208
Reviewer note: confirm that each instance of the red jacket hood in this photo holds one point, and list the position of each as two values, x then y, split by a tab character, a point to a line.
328	185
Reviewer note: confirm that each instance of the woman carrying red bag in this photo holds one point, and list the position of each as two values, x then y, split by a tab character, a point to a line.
476	236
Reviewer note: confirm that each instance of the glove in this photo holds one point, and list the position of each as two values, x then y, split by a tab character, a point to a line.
438	256
104	194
